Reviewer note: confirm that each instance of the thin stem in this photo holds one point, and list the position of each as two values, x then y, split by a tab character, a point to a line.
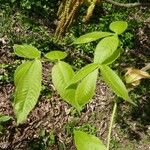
111	124
147	67
128	5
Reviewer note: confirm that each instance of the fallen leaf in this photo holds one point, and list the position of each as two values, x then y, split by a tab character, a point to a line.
134	76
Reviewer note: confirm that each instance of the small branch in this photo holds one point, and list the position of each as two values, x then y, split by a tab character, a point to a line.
128	5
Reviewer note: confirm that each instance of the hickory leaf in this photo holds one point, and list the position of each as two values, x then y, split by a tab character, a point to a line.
26	51
84	141
115	83
56	55
62	73
134	76
82	73
28	86
86	88
105	49
90	37
118	26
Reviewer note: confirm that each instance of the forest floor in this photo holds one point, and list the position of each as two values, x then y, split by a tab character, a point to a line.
50	125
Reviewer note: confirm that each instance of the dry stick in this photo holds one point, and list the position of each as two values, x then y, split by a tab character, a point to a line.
59	31
69	17
72	14
62	25
77	4
62	18
128	5
61	7
70	11
68	7
89	13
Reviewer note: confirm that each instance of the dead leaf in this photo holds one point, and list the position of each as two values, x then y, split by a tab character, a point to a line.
134	76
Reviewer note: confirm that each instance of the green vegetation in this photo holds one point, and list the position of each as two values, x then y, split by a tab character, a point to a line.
28	75
3	119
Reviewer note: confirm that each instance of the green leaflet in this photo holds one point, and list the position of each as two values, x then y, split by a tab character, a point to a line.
115	83
93	36
28	78
113	57
62	73
118	26
26	51
4	118
21	71
86	88
105	49
82	73
56	55
84	141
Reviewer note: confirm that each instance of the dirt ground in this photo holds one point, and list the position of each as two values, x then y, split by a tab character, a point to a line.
51	114
131	130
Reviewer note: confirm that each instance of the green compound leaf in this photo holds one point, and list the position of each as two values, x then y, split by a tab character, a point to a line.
28	78
90	37
26	51
115	83
84	141
62	73
118	26
82	73
86	88
105	49
56	55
